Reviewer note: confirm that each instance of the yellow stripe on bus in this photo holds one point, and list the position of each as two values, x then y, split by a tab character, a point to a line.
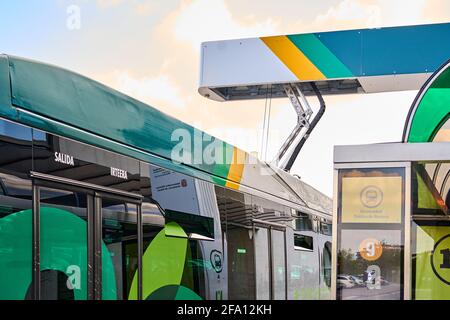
236	168
293	58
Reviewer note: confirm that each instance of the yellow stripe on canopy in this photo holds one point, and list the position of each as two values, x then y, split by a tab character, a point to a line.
293	58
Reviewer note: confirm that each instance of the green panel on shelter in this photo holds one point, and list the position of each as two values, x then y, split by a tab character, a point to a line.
430	277
433	109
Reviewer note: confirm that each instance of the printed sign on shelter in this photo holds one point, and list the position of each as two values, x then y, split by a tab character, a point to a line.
372	199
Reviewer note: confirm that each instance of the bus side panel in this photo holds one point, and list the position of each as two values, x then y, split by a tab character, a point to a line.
213	251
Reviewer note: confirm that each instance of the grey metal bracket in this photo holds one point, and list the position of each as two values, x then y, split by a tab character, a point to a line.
287	153
304	112
299	102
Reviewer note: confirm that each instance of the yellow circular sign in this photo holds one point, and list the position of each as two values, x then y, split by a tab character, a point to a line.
440	259
370	249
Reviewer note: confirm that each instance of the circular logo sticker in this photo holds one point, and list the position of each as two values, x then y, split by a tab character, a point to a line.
371	196
370	249
440	259
216	260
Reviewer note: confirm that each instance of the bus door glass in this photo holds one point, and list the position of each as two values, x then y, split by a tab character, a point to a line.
271	256
15	211
262	263
278	246
87	244
119	249
304	258
63	243
236	215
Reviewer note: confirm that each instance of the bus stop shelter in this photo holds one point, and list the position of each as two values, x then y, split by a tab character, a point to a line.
391	223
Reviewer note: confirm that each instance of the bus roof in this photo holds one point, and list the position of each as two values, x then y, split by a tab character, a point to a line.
68	104
338	62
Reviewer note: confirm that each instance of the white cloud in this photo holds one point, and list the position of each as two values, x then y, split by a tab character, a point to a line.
202	20
350	13
139	7
153	90
108	3
396	13
145	8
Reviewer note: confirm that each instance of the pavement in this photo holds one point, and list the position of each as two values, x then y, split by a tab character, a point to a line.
386	292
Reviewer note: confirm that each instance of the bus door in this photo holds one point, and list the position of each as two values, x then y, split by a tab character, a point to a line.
278	264
85	241
270	262
269	221
241	263
255	239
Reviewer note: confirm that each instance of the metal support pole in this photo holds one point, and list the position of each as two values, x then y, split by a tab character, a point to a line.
140	251
36	276
98	248
271	291
91	247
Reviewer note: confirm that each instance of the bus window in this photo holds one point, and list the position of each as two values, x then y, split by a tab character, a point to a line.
195	226
325	228
15	211
326	263
302	242
303	222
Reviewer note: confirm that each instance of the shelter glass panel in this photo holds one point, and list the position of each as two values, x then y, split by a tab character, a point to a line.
370	234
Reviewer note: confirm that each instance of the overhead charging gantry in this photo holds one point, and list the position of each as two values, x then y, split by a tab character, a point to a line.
316	64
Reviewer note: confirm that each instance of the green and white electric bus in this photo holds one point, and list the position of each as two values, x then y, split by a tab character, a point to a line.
93	207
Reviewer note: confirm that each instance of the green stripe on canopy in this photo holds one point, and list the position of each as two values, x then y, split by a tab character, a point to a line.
320	56
433	110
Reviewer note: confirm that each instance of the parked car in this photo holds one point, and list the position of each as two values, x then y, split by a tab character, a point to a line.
345	281
383	281
358	281
369	278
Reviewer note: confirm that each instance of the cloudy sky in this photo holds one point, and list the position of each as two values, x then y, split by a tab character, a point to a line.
150	50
